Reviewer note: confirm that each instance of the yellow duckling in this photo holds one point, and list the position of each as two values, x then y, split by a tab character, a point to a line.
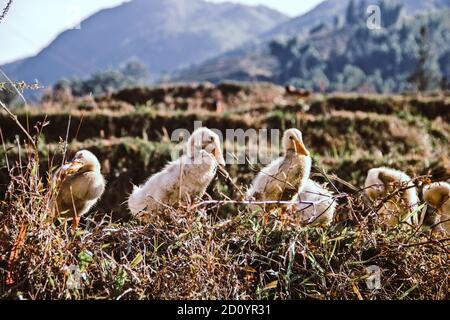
81	185
437	195
286	176
380	183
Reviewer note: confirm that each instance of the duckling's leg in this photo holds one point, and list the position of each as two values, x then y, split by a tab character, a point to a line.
266	211
442	222
283	215
265	215
77	213
75	222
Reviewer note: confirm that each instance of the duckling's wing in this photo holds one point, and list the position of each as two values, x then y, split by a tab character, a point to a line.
265	181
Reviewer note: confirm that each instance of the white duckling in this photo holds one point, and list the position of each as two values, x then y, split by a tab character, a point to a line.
81	185
285	177
437	195
380	183
181	181
315	205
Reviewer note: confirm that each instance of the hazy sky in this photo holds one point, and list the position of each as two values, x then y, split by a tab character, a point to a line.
32	24
289	7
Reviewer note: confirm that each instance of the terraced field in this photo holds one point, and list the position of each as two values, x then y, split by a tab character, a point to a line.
348	134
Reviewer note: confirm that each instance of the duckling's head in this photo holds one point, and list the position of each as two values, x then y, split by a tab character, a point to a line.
437	194
83	161
205	140
293	141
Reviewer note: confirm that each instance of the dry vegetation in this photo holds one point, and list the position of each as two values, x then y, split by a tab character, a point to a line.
220	250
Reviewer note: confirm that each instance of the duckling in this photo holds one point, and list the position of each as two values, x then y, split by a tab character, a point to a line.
437	195
286	176
81	185
181	181
380	183
321	213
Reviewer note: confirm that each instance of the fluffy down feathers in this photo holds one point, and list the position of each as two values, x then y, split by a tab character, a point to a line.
437	195
181	181
285	177
81	185
322	212
382	182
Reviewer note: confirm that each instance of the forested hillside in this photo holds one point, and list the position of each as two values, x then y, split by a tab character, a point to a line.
406	53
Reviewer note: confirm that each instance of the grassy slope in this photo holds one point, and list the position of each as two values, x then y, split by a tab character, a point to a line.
348	135
231	253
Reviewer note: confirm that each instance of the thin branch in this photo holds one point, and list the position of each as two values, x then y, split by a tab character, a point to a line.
5	10
14	117
422	243
66	141
249	203
4	149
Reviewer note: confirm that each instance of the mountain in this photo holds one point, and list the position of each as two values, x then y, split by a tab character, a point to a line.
164	34
326	12
331	46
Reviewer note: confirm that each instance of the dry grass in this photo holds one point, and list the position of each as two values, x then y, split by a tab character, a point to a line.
216	250
195	254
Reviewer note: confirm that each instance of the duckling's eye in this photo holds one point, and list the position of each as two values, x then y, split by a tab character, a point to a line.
291	138
211	139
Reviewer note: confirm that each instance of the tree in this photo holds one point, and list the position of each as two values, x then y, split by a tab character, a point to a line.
318	28
445	83
352	78
132	73
444	63
391	11
136	70
423	75
357	58
337	22
351	16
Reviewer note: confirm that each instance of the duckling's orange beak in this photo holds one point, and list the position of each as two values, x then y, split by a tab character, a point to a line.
73	167
219	157
300	147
